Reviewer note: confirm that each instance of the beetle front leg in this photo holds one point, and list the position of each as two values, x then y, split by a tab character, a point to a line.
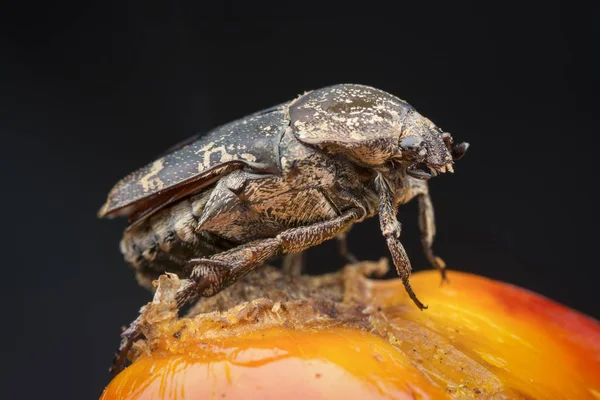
427	227
391	229
419	188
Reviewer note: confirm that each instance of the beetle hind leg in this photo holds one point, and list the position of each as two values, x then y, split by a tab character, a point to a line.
208	276
293	263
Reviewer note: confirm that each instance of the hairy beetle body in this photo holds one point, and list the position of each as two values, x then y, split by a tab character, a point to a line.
278	182
244	206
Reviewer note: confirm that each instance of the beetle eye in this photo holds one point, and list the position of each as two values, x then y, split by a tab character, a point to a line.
410	146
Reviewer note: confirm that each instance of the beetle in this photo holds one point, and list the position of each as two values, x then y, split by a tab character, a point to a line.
276	183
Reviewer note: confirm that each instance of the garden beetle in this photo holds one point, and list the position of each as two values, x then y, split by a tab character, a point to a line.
278	182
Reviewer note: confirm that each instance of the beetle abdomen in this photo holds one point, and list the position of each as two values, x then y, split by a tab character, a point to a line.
168	240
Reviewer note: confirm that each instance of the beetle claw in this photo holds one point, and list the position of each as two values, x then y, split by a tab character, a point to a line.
130	335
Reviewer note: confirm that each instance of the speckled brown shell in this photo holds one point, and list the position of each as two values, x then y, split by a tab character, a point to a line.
361	121
347	113
355	119
250	142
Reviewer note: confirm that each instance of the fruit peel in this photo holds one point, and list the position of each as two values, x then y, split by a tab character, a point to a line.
344	335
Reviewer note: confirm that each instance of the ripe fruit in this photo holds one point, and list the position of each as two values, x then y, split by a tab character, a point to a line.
346	336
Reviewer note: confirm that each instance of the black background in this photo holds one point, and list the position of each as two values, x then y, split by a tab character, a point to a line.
92	90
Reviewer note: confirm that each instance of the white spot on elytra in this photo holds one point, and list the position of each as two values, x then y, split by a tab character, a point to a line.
151	181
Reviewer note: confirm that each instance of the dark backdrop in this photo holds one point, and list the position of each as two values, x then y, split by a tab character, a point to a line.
92	90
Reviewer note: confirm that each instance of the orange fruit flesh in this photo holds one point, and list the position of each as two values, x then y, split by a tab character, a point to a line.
478	339
277	363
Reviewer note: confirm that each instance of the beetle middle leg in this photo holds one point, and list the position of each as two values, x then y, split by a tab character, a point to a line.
211	275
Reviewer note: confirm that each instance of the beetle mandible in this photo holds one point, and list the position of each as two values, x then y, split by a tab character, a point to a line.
276	183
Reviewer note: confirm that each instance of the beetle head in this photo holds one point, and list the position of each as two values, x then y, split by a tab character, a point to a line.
425	146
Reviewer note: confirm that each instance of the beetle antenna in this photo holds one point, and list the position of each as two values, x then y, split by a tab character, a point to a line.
459	150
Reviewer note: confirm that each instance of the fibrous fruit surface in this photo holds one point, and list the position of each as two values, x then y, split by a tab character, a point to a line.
343	335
